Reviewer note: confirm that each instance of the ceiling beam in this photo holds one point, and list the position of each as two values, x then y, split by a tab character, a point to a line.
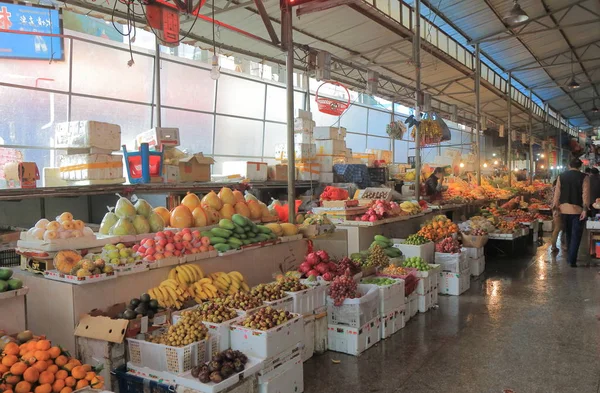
521	34
508	29
521	69
266	21
557	55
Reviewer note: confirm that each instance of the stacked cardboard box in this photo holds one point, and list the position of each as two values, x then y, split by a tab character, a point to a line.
331	150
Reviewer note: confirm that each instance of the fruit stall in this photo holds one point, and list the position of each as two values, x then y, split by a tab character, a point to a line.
12	302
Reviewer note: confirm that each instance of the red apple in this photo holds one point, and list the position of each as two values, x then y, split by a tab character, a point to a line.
187	237
312	273
177	253
168	254
150	251
170	247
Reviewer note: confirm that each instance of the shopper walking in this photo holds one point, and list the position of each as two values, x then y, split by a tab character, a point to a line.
572	199
556	221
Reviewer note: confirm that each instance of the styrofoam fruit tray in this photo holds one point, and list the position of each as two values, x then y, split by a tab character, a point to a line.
161	377
14	293
165	262
287	239
219	331
198	256
303	301
124	270
285	304
390	296
75	243
58	276
252	367
266	343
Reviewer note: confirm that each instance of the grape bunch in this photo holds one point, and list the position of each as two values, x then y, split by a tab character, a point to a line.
347	265
343	287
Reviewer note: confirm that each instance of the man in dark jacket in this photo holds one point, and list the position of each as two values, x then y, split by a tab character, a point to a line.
572	199
433	185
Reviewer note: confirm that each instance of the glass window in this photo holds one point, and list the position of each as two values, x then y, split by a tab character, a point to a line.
374	142
395	10
276	103
400	152
378	122
186	87
406	16
355	119
195	129
240	97
356	142
36	126
234	136
103	72
133	118
275	134
217	167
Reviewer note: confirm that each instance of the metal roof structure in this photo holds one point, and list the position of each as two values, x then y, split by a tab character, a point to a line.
376	35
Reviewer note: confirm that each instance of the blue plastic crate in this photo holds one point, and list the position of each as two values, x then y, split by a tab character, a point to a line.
133	384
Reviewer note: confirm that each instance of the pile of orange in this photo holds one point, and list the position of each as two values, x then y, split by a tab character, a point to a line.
439	228
38	367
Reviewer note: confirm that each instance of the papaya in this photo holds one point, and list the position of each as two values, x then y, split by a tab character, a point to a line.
220	232
222	247
217	240
226	224
239	219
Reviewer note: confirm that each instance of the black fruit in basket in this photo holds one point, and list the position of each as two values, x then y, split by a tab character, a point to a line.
238	366
216	377
195	371
134	302
131	306
141	309
150	314
204	376
229	354
119	316
145	298
129	314
218	357
241	356
153	304
214	366
227	370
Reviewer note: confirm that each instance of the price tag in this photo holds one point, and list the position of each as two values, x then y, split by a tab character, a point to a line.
144	325
160	319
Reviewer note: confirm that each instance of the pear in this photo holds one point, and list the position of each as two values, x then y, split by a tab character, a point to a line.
157	223
242	209
227	211
141	224
143	208
255	211
123	227
227	196
109	220
200	217
239	197
191	201
125	209
212	199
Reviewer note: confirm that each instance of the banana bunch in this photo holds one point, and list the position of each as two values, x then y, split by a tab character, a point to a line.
410	207
229	283
186	274
169	294
204	290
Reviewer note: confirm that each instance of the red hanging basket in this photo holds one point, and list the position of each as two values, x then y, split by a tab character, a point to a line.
329	105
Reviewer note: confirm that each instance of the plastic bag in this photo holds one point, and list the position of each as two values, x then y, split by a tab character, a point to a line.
446	135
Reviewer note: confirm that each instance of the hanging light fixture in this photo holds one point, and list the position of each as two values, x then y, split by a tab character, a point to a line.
515	15
594	107
215	72
573	84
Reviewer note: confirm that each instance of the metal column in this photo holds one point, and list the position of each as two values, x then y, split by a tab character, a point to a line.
157	84
417	61
477	113
531	161
288	42
509	126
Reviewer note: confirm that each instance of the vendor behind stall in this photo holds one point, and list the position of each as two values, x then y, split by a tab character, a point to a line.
433	185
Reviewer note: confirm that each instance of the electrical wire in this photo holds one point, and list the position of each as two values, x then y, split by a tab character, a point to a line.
157	35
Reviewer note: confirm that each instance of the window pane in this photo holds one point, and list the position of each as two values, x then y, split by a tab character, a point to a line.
238	136
274	134
276	103
175	78
355	119
27	117
132	118
240	97
378	122
195	129
37	73
102	71
374	142
217	167
356	142
401	152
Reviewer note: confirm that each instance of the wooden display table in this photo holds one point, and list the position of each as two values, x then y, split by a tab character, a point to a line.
54	307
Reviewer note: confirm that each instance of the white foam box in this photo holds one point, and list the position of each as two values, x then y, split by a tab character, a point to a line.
454	263
302	114
326	177
241	382
401	321
303	137
425	251
285	304
338	133
331	147
302	151
251	170
407	314
266	343
454	283
392	322
91	167
87	134
435	296
355	312
158	137
391	297
308	171
414	305
321	334
424	302
477	265
354	341
308	347
301	124
285	378
473	252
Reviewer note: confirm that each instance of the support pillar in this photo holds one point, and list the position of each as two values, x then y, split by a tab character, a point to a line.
531	160
478	113
509	126
288	42
417	61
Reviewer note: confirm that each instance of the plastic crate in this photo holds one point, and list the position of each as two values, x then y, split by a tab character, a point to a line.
391	296
425	251
303	301
378	175
355	312
9	258
473	252
132	384
161	357
424	302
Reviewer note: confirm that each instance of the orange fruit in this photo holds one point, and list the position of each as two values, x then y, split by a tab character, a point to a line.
3	369
86	367
40	366
58	385
75	362
61	360
31	375
9	360
81	384
54	352
8	391
78	372
61	374
53	369
23	387
11	379
43	345
41	355
18	368
90	375
66	390
69	367
44	388
70	381
11	349
46	377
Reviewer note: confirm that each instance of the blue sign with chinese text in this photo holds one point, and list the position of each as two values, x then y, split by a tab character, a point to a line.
30	19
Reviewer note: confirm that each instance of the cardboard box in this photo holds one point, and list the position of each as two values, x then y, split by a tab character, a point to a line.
87	135
158	137
329	133
29	174
308	171
327	162
99	324
302	152
303	137
301	124
302	114
195	168
454	283
331	147
277	172
171	173
381	155
251	170
91	167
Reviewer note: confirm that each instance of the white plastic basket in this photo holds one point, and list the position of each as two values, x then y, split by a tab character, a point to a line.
355	312
321	288
424	251
303	301
308	349
161	357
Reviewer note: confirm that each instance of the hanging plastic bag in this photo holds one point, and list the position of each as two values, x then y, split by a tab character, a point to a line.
446	134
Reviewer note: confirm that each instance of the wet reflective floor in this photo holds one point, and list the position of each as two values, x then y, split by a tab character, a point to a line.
529	324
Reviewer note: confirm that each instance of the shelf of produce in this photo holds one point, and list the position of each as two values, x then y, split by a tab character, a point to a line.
124	189
12	307
64	303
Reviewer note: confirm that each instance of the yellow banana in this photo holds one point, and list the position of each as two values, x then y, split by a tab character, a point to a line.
172	294
192	274
225	277
236	285
224	282
205	281
202	295
166	298
198	270
212	287
152	294
237	274
210	291
245	287
232	291
170	284
183	275
173	274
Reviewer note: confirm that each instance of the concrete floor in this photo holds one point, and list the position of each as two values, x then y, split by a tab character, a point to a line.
529	324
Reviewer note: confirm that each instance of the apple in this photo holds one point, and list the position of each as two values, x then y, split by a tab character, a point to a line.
312	273
195	251
187	237
151	251
150	258
177	253
170	247
196	234
162	242
149	243
158	256
160	234
168	254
